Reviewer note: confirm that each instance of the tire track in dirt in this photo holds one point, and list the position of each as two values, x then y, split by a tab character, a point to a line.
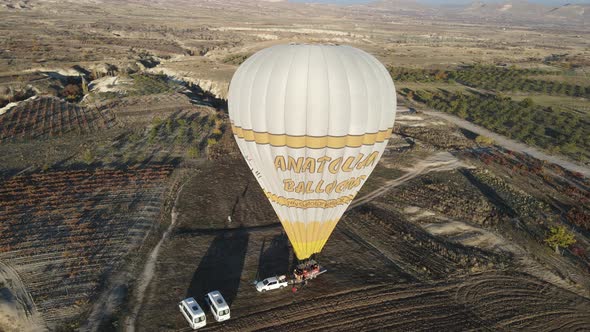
494	301
415	251
525	303
438	162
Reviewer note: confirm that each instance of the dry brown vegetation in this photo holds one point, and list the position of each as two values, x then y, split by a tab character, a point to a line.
51	117
63	230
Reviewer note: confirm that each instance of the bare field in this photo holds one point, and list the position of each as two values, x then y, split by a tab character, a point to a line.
416	280
63	231
492	300
48	117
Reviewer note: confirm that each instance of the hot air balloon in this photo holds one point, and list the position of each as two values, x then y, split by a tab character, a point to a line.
312	122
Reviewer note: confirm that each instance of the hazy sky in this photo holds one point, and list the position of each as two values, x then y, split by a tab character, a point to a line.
546	2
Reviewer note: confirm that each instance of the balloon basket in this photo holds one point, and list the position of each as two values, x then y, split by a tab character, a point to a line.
307	271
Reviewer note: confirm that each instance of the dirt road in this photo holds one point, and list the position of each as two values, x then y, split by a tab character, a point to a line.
512	144
17	309
149	268
441	161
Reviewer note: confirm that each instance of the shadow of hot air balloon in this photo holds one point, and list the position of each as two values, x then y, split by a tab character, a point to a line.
274	257
221	266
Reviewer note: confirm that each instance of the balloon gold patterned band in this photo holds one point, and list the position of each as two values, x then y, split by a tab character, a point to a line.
309	203
312	142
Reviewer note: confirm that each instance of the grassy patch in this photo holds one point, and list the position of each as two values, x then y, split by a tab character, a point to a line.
151	84
580	105
236	59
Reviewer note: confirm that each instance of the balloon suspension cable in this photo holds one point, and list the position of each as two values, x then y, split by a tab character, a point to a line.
309	261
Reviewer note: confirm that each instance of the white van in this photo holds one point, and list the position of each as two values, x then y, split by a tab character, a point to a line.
218	306
193	313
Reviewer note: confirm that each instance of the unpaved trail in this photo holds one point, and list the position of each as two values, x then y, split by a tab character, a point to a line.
106	303
511	144
475	236
149	268
17	309
438	162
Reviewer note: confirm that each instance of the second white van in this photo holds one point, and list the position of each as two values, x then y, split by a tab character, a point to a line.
218	306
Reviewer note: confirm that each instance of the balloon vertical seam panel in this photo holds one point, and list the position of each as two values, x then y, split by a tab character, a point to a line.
310	170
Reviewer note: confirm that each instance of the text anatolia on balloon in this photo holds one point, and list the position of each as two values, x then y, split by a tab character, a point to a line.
317	165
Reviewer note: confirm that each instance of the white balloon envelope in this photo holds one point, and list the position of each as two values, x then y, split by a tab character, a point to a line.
312	122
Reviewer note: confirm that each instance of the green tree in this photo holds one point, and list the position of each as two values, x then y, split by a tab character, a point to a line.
88	156
193	152
484	140
527	102
169	126
153	134
558	237
211	141
462	108
156	122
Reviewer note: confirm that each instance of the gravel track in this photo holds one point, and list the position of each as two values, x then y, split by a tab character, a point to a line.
511	144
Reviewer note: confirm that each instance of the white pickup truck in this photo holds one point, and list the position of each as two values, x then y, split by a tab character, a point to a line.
272	283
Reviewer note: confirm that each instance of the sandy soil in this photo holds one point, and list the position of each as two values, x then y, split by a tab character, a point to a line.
17	309
8	107
479	237
110	84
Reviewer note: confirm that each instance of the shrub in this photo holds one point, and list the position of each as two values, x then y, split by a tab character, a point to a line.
236	59
153	134
193	152
72	92
169	126
554	129
156	122
484	140
88	156
560	237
